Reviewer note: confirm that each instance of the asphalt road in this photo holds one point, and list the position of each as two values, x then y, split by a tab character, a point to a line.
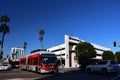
64	74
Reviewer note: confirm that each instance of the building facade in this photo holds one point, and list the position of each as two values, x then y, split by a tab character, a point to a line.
66	51
17	53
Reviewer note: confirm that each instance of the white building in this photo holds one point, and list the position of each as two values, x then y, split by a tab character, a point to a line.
66	51
19	53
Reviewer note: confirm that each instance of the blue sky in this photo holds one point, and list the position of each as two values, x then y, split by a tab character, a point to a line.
96	21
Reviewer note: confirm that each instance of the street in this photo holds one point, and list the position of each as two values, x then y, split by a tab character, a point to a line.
64	74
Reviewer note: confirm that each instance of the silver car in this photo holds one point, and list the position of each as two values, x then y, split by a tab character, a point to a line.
5	66
104	66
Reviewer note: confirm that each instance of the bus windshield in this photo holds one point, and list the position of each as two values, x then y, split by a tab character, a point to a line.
15	64
49	59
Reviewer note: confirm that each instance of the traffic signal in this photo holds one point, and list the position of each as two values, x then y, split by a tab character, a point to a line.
114	44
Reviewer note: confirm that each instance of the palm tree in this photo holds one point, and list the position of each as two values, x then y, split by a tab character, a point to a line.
24	46
13	55
7	56
41	33
4	19
4	29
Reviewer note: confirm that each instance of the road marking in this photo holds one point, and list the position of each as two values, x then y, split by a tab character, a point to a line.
15	79
20	79
61	72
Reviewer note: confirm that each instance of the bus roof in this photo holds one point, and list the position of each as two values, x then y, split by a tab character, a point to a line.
33	51
38	52
42	52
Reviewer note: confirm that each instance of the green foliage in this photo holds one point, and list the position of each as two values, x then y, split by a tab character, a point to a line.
108	55
4	19
4	29
117	56
13	55
85	50
41	38
41	33
25	45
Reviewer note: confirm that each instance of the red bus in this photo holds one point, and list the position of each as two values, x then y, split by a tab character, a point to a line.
15	63
40	62
23	63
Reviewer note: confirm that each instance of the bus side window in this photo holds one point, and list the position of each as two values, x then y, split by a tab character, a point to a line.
40	60
35	61
28	61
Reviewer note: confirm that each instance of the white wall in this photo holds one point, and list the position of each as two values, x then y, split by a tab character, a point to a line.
68	39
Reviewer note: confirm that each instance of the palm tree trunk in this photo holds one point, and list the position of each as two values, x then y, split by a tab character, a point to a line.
25	52
41	45
2	44
2	40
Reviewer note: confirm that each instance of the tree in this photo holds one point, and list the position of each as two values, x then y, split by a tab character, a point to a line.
117	56
84	51
13	55
4	19
7	56
24	46
4	29
41	33
108	55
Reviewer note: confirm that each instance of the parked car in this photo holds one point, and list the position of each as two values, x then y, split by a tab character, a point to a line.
104	66
5	66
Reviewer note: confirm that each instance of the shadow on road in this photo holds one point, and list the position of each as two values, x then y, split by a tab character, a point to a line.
76	74
65	74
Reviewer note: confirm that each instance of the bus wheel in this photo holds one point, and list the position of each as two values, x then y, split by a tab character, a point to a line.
36	70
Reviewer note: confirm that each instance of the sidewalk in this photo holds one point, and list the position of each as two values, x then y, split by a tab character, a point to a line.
62	69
